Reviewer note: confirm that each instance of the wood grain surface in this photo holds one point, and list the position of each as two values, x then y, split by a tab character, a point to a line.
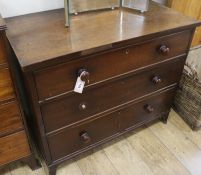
13	147
6	85
181	147
51	39
60	79
10	118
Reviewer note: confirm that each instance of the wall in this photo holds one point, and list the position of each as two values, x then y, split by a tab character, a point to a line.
190	8
10	8
161	1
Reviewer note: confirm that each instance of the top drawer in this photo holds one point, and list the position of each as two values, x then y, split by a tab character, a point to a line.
2	50
60	79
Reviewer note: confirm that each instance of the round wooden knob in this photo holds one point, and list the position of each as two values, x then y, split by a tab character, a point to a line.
149	108
85	137
84	75
164	49
157	79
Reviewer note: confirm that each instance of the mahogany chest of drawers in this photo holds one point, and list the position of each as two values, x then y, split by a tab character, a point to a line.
14	144
131	64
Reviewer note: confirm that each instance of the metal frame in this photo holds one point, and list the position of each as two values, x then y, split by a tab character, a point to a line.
67	14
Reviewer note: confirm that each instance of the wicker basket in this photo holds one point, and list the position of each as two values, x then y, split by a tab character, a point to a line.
188	98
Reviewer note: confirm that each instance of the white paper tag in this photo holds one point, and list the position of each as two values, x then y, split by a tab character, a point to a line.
79	86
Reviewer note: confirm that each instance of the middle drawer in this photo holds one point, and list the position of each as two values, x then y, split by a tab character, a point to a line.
66	111
10	118
6	87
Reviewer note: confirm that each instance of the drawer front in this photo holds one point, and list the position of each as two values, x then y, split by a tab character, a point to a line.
2	50
60	79
66	111
79	137
13	147
146	110
6	87
10	118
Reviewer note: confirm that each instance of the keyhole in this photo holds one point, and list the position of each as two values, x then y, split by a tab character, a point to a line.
83	106
127	51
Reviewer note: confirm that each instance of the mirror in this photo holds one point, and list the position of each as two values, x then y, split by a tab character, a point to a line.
78	6
141	5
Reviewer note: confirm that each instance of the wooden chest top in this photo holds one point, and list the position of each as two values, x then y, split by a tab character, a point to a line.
42	38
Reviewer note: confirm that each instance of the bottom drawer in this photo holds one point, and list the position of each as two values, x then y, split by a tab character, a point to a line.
146	110
78	137
74	139
13	147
